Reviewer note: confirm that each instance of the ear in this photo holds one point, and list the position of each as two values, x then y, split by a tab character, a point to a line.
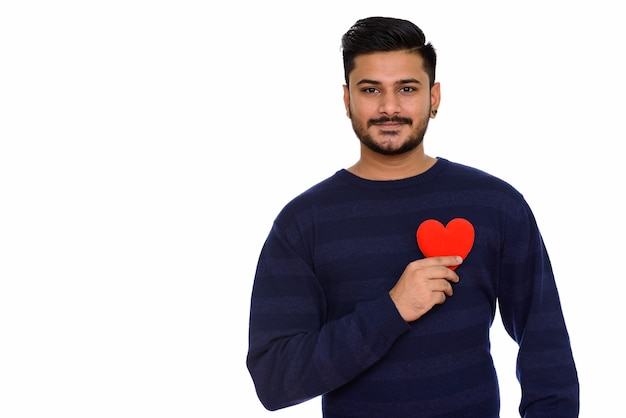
435	97
346	100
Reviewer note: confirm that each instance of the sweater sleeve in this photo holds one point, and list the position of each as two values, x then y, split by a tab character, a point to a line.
531	312
294	353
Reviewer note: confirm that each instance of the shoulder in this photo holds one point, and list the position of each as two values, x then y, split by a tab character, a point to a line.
320	194
479	188
467	176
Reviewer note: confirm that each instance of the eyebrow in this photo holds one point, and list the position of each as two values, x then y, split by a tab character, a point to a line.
377	83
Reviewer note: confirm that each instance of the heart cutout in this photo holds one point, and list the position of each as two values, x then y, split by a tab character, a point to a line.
456	238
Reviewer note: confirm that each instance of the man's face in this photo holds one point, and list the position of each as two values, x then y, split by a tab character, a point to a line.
389	101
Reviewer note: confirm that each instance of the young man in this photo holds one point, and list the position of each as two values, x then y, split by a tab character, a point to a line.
362	295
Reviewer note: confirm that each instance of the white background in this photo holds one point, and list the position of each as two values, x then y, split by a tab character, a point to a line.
146	146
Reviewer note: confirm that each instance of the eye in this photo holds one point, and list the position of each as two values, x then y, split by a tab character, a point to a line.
407	90
370	90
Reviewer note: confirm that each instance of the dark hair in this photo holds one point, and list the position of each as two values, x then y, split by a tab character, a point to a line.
385	34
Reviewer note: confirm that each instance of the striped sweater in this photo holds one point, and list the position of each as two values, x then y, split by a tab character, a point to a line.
322	321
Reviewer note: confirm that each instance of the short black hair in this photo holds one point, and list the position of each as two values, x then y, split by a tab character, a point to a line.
385	34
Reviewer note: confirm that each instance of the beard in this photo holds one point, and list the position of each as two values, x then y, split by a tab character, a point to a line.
415	138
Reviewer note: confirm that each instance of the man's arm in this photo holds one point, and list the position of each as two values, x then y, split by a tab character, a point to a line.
295	354
531	312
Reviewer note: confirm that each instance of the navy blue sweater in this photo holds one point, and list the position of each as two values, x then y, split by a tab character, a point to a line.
322	321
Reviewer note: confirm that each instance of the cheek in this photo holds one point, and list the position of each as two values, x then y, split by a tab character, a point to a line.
418	109
362	110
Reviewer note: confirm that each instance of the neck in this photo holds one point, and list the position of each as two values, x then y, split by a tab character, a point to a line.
374	166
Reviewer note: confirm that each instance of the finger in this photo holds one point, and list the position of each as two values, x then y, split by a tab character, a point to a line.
448	260
444	273
451	260
442	298
444	287
431	269
449	291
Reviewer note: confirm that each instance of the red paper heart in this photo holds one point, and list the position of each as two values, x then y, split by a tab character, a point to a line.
456	238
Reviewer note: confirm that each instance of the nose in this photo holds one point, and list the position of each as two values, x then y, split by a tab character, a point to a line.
389	104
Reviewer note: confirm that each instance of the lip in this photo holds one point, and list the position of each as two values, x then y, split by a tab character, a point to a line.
390	125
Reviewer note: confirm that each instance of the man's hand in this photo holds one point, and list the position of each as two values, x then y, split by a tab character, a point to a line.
424	284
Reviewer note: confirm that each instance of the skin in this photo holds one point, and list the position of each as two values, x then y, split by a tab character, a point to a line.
387	85
389	102
424	284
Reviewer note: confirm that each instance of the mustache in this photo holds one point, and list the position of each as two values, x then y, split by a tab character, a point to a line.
384	119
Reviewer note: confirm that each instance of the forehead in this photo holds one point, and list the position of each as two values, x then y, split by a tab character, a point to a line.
388	67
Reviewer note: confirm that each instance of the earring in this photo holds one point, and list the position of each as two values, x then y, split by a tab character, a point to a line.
434	112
